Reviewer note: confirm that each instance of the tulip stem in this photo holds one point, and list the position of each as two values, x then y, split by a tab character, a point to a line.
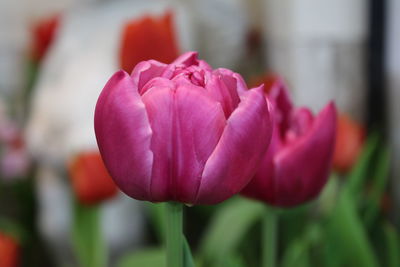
174	234
270	238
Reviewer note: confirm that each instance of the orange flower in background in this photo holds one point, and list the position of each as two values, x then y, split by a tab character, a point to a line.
90	179
43	33
268	79
350	138
9	251
148	38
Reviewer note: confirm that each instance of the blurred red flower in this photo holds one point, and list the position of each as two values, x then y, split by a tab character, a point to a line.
43	33
9	251
90	179
350	136
269	80
148	38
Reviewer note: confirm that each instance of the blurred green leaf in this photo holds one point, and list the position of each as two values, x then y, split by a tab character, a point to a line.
359	173
297	254
13	229
157	219
151	257
380	178
89	245
228	227
347	233
232	260
187	254
392	245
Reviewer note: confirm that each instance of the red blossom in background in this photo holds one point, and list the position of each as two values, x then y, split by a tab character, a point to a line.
9	251
350	137
90	179
43	33
268	79
148	38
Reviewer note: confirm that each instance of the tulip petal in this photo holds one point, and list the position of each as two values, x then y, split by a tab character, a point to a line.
157	82
282	106
227	96
296	180
184	61
240	150
233	80
145	71
186	125
263	185
123	134
187	59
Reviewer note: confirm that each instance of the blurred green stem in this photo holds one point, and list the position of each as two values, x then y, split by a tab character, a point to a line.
174	234
269	237
88	241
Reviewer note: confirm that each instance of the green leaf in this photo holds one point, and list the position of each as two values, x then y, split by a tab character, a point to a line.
151	257
359	173
348	236
297	254
13	229
392	245
228	227
187	254
380	178
232	261
88	242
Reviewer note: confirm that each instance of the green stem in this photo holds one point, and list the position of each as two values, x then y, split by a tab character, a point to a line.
174	235
270	238
89	245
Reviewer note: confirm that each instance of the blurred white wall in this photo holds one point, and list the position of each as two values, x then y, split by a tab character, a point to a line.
319	46
16	17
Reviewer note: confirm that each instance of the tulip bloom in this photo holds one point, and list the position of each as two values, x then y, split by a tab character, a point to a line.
298	161
148	38
181	132
350	137
90	179
9	251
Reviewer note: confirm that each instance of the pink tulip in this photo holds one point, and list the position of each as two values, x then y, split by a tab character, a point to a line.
181	132
298	161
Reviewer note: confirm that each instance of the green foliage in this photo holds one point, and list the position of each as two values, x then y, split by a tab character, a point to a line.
228	227
336	230
392	245
151	257
89	245
346	231
380	175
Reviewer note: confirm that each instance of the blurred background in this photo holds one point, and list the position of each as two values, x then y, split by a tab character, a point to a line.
56	196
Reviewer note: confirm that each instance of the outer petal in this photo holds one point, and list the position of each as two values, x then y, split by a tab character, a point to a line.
145	71
297	180
123	134
186	125
240	150
263	185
